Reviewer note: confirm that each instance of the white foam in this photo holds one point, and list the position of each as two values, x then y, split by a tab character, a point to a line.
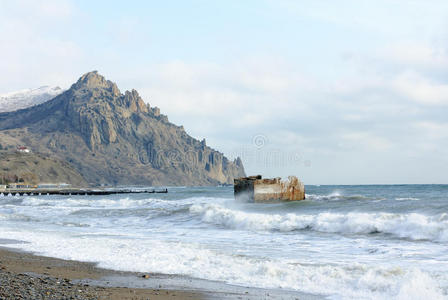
418	285
336	196
354	281
87	212
412	226
332	196
109	203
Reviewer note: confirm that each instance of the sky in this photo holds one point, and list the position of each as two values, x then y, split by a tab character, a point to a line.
335	92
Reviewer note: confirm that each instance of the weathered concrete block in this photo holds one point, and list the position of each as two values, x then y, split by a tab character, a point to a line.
256	189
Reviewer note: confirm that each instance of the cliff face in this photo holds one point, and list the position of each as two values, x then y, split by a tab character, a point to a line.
116	138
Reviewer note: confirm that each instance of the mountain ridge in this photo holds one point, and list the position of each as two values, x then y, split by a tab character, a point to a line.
116	138
17	100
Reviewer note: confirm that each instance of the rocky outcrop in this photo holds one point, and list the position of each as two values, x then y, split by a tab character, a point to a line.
115	138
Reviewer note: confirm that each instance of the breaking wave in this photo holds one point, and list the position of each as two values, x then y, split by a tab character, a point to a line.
338	196
412	226
109	203
352	281
407	199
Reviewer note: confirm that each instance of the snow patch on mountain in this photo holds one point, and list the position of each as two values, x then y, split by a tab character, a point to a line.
27	98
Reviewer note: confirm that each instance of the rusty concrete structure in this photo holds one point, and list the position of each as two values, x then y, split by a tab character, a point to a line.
257	189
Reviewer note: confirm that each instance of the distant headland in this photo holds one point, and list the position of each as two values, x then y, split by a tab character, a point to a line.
92	134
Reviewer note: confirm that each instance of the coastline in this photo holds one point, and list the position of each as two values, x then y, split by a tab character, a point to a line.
24	275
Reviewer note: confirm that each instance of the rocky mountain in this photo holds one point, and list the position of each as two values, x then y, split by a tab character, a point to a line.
27	98
115	138
36	168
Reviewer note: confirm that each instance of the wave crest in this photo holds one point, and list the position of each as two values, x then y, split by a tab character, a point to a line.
335	196
411	226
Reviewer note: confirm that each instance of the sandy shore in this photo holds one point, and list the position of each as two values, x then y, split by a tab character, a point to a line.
27	276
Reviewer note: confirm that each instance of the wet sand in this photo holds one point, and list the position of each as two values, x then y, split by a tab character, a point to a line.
27	276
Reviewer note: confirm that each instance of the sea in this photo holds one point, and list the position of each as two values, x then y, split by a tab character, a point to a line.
342	242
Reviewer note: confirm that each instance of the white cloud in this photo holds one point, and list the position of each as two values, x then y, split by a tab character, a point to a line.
243	93
433	130
51	8
353	84
44	10
31	54
365	140
324	121
250	119
416	54
420	89
382	17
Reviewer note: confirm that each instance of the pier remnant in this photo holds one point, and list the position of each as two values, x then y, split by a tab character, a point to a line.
73	192
257	189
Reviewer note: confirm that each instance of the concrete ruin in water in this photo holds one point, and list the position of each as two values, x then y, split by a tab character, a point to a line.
256	189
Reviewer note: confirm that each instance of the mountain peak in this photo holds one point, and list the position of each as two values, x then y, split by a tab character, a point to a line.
92	78
95	80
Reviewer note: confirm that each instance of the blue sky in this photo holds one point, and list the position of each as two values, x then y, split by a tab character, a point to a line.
336	92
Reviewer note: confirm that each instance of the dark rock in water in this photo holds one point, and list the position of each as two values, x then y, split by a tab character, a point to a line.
256	189
114	138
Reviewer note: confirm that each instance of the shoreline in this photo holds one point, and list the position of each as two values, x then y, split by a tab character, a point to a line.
29	275
26	276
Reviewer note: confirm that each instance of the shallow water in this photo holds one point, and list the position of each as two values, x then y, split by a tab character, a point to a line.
344	242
